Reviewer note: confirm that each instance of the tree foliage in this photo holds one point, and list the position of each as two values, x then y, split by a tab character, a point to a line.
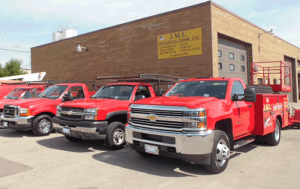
11	68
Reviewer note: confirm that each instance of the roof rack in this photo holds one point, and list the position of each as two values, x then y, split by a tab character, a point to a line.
156	79
24	82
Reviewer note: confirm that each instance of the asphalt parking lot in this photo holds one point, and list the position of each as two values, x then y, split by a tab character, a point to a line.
27	161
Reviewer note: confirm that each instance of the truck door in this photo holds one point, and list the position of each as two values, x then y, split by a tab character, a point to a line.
243	122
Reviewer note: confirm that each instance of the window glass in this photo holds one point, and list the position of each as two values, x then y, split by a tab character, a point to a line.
220	66
231	55
231	67
242	58
143	90
199	88
121	92
32	93
237	88
243	69
53	92
77	92
220	53
15	94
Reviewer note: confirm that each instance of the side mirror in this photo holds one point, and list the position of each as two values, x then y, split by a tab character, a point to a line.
235	97
138	97
67	97
250	95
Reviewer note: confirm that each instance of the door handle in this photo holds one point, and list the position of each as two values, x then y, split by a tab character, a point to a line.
250	106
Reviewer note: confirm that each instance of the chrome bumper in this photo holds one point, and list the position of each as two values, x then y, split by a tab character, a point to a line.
185	143
80	132
17	123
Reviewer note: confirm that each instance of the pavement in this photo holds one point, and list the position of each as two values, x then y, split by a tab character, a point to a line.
27	161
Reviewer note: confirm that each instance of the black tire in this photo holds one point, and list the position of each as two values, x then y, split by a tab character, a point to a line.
260	139
273	138
38	125
73	139
115	135
219	165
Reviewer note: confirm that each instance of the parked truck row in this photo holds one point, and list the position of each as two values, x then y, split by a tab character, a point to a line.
199	120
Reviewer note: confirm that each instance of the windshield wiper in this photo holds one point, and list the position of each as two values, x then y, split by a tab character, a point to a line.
106	97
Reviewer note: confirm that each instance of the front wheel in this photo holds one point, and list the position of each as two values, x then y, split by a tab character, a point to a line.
220	153
42	125
115	135
273	138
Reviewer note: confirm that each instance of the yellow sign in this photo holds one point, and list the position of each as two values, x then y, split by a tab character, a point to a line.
180	44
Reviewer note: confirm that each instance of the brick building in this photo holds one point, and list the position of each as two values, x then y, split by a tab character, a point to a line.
196	41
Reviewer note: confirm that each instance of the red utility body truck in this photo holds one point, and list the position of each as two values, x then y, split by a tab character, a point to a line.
36	113
200	120
104	115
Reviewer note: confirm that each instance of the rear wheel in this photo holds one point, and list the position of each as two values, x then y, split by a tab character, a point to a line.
42	125
220	153
273	138
73	139
115	135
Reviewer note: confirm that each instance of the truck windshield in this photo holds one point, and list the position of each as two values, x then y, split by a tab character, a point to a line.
15	94
121	92
199	88
53	92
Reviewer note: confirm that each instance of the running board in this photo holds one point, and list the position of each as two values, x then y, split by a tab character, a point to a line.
243	142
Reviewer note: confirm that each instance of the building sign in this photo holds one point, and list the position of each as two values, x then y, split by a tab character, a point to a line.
180	44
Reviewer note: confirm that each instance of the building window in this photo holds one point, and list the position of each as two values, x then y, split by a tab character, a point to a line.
219	53
220	66
231	55
243	69
259	81
242	58
231	67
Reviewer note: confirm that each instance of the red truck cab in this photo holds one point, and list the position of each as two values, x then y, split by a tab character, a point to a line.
36	113
103	116
200	120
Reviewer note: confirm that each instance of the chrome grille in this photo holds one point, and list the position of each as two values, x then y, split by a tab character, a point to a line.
71	117
157	112
158	123
10	111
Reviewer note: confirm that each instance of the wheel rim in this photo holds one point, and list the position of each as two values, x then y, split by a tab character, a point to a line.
44	126
277	134
118	136
223	152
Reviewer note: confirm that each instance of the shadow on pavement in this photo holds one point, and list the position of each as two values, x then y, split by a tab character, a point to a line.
154	165
61	143
17	134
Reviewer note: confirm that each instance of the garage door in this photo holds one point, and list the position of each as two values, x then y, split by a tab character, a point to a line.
232	59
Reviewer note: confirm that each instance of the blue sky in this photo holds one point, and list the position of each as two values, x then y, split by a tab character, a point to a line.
28	23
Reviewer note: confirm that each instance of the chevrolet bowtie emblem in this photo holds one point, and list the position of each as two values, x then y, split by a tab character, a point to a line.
152	117
69	112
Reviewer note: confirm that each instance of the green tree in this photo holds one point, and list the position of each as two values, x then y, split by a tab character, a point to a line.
11	68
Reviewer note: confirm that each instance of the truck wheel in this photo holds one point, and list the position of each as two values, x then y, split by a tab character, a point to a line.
260	139
42	125
73	139
273	139
220	153
115	135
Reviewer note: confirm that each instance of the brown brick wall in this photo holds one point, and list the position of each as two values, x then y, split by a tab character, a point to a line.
128	49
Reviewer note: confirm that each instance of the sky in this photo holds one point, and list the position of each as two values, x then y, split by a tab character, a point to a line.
29	23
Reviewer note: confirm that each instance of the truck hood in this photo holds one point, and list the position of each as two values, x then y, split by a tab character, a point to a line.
6	101
92	103
189	102
31	102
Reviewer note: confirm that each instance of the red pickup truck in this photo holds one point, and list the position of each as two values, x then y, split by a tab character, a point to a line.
200	120
36	113
103	116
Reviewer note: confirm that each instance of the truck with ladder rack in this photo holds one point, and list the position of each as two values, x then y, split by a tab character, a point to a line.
201	120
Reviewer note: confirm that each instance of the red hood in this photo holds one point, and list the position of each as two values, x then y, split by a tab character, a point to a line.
26	103
189	102
6	101
93	103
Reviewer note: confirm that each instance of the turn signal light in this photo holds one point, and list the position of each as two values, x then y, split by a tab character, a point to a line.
25	114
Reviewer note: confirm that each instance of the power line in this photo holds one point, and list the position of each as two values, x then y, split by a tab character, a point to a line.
14	50
14	47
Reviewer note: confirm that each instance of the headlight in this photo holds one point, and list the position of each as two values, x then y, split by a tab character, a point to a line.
195	120
129	114
24	112
58	111
93	114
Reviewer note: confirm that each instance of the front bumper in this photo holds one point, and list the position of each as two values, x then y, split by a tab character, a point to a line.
17	123
81	129
190	147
